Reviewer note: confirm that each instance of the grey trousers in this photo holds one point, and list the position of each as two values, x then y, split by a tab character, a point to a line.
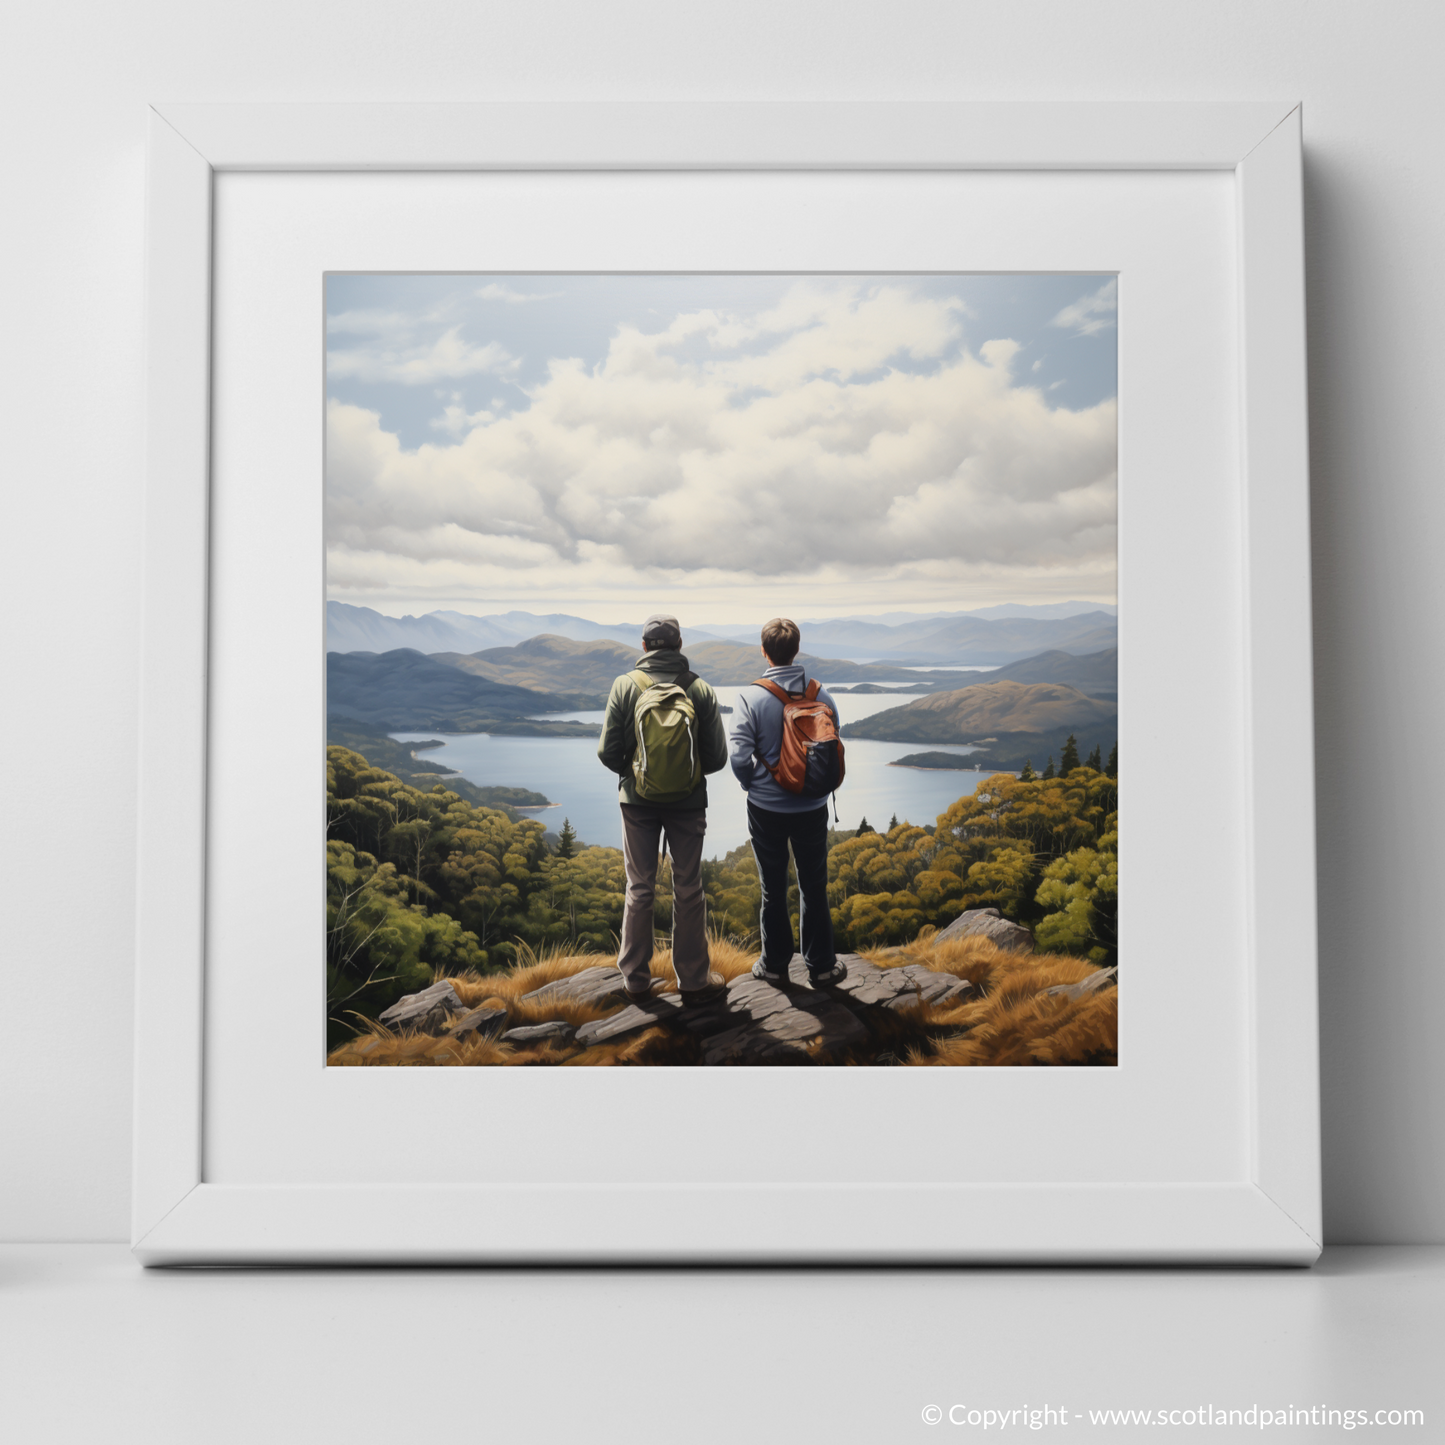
642	831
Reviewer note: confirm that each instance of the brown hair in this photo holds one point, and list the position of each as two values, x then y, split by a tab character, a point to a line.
780	641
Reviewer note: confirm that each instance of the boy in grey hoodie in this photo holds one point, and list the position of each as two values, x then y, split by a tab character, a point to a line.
777	818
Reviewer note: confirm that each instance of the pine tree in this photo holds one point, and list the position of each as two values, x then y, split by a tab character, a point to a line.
1096	759
567	843
1049	770
893	823
1111	768
1070	759
864	827
1028	775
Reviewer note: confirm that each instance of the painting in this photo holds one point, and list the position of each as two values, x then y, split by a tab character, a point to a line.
721	670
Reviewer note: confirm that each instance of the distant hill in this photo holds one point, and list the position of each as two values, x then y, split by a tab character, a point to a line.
550	663
948	761
873	687
1018	721
405	690
1095	673
984	709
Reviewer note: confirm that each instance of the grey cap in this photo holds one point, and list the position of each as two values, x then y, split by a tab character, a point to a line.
662	628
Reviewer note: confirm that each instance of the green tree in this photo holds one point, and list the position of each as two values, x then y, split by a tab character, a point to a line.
1070	759
567	842
864	827
1079	895
378	945
1049	768
1111	768
1028	774
893	822
1096	759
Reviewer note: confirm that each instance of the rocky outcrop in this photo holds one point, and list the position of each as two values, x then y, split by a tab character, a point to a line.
989	923
426	1012
756	1022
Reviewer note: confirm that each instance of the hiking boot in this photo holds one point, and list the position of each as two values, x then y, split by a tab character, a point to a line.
644	996
713	991
836	974
762	971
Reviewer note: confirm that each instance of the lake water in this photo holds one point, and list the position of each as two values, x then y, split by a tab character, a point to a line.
567	771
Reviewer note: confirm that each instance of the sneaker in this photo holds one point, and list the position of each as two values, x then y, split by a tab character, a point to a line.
762	971
836	974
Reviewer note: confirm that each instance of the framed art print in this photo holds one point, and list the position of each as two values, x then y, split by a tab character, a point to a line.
471	424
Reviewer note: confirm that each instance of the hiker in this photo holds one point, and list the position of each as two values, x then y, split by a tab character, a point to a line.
663	732
786	753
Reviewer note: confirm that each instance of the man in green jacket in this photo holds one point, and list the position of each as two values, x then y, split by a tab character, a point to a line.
674	716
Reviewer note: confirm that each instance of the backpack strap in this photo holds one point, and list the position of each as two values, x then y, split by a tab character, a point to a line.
783	697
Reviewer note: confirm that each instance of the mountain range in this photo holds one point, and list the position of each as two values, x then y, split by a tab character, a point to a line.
922	640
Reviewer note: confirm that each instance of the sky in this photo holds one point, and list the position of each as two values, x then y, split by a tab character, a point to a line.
739	446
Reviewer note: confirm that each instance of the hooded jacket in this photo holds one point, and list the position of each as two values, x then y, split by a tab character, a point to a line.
619	729
757	734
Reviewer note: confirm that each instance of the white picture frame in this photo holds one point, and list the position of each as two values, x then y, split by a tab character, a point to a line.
1270	1213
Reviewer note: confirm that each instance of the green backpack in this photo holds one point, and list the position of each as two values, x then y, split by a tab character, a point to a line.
666	766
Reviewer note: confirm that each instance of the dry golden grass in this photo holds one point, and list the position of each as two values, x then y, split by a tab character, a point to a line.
1006	1021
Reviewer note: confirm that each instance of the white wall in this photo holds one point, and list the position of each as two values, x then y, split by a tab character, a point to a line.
77	77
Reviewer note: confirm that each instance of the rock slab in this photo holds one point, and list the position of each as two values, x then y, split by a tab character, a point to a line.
989	923
480	1023
426	1012
592	986
894	988
539	1033
1101	979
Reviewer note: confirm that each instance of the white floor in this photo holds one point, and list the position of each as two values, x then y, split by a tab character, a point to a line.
96	1350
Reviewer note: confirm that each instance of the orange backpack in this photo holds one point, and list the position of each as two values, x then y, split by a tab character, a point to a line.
811	761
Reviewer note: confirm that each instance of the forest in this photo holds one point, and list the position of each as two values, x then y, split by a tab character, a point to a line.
425	882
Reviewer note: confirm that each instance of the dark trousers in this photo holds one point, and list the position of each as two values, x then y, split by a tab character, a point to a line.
808	833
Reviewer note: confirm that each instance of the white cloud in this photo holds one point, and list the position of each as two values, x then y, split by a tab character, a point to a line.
495	291
450	355
457	421
1092	313
725	451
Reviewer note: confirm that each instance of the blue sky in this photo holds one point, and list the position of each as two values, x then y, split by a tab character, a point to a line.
592	443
